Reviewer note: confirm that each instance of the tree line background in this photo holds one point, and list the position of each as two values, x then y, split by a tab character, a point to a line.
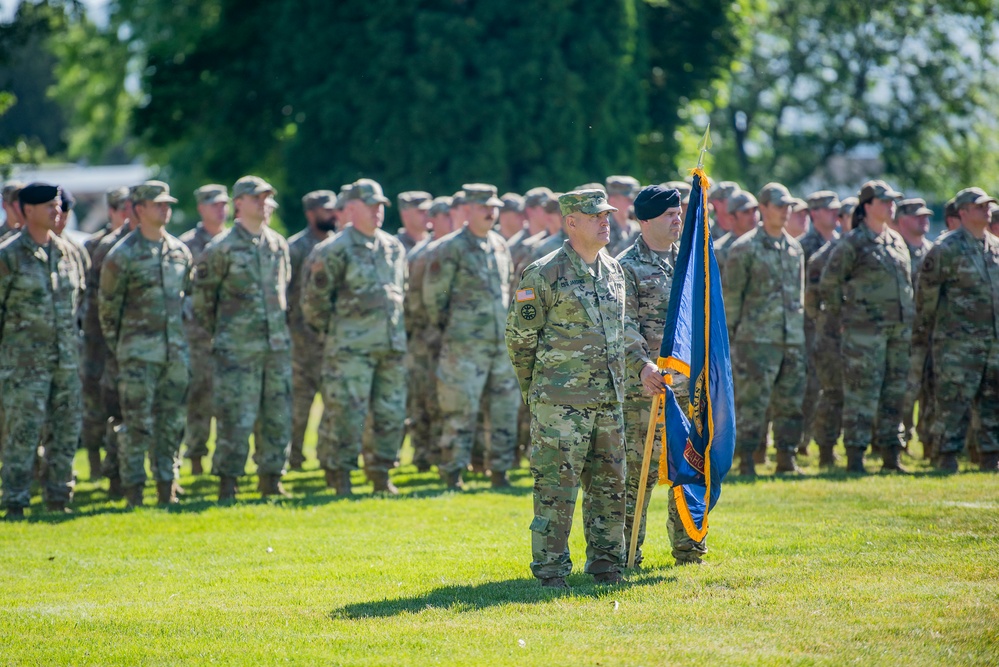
429	94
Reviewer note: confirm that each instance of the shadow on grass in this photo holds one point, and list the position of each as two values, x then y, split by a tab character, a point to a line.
481	596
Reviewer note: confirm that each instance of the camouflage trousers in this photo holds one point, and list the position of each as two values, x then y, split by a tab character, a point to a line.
109	391
33	399
306	376
154	412
768	376
95	409
810	399
966	378
469	374
636	426
575	446
685	549
355	384
422	406
875	369
199	396
828	420
251	387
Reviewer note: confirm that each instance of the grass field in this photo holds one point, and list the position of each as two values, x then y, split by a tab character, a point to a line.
826	569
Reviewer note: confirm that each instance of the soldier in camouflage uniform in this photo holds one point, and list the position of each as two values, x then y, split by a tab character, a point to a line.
13	219
213	207
354	295
413	217
823	206
827	360
94	357
718	197
41	288
568	313
424	344
306	348
621	193
743	217
867	284
141	302
767	332
797	221
240	292
648	271
912	221
466	292
957	317
511	218
521	244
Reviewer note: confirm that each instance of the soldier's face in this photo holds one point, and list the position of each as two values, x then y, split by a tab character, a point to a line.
622	203
325	219
775	214
668	225
214	214
745	221
442	224
592	228
975	214
481	218
14	217
881	210
824	219
44	216
154	213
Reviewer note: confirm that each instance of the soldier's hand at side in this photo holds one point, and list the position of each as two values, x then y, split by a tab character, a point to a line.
652	380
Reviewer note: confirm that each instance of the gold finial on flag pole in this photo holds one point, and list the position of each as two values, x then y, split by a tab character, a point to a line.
705	145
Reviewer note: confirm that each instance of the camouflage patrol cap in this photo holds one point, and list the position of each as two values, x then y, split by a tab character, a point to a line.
848	205
682	187
741	201
972	196
440	205
513	202
458	199
115	197
590	202
341	198
537	197
10	190
213	193
994	216
950	209
367	191
799	205
319	199
626	186
413	199
552	205
877	190
775	194
251	185
723	190
823	199
154	191
481	193
914	206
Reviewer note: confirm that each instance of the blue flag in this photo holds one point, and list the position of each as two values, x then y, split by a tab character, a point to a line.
700	436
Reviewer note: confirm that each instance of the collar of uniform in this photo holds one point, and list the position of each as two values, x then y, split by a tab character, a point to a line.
245	234
474	241
648	255
362	239
575	261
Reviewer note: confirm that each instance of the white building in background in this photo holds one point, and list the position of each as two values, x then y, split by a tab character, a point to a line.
88	185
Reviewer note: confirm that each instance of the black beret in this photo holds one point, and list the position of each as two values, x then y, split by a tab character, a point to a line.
68	200
37	193
653	201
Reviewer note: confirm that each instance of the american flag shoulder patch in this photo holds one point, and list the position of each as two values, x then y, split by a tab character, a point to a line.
525	295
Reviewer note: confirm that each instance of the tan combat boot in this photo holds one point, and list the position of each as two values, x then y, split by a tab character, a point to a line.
786	463
228	488
166	493
344	486
855	460
270	485
133	495
382	483
891	460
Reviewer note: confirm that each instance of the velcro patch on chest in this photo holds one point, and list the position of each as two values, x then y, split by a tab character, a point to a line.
525	295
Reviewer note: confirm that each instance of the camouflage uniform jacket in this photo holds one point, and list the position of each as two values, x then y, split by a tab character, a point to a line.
40	290
354	292
764	281
565	330
813	274
196	240
466	289
648	279
523	250
957	297
299	247
413	307
811	241
917	254
407	241
240	290
142	290
867	280
546	247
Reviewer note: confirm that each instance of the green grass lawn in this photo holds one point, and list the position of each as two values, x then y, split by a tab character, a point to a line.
825	569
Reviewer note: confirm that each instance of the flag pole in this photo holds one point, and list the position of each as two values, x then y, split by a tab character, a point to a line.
636	521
